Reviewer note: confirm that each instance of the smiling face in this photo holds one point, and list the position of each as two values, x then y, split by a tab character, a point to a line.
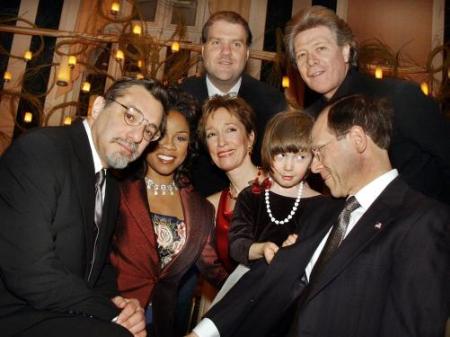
116	142
171	150
289	169
225	54
322	63
227	140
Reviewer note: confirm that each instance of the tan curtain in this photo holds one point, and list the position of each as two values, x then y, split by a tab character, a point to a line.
240	6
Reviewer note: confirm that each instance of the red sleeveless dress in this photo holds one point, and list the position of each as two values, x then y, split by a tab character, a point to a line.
223	221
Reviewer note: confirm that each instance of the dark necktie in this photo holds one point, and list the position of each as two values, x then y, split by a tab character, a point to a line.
336	236
99	181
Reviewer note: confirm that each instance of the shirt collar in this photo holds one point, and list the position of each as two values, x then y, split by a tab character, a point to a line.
213	90
97	161
367	195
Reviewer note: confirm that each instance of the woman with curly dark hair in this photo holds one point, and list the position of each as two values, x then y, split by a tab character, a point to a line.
164	225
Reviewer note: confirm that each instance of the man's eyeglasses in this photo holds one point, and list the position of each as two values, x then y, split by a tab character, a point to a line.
317	151
134	117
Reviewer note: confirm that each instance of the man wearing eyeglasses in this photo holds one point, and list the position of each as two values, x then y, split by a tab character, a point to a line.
378	269
58	204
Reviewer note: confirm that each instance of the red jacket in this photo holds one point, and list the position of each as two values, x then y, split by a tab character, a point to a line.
136	258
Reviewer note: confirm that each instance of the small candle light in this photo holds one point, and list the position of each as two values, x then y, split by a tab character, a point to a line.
115	8
424	87
28	55
175	47
139	63
7	76
378	72
285	82
137	29
63	76
119	55
72	61
67	120
86	87
139	76
28	117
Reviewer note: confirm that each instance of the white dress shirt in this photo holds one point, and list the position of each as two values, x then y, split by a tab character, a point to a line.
213	90
97	161
365	196
98	166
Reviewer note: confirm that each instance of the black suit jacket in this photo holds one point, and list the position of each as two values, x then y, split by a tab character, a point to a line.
265	100
47	202
388	278
420	145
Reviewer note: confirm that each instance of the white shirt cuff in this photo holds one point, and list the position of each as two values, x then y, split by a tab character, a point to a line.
206	328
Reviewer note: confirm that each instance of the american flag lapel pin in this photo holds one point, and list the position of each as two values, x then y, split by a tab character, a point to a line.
378	225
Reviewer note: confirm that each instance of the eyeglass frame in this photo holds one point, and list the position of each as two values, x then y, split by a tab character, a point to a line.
156	134
317	150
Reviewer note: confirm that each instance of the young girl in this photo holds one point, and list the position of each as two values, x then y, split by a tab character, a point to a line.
265	216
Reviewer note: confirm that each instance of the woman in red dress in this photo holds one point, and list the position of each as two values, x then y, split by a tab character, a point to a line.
227	128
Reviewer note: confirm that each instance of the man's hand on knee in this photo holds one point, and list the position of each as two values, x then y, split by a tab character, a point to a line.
132	316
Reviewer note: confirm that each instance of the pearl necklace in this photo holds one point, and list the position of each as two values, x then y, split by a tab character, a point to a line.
294	208
151	185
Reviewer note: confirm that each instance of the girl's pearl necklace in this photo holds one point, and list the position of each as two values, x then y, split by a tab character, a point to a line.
294	208
163	188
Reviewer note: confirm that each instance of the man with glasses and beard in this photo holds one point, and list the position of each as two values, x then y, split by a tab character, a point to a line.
58	204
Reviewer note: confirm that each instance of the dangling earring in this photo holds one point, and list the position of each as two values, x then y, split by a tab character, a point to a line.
250	149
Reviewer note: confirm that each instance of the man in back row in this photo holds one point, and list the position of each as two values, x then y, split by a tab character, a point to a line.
379	269
323	47
226	39
58	206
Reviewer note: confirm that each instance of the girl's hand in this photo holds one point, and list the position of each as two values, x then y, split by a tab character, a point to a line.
269	250
291	239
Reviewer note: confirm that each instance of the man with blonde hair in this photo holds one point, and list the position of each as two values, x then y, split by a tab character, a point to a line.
323	48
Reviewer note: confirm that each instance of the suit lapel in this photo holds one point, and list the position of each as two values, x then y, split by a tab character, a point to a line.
84	173
378	217
297	255
245	90
84	176
197	88
135	198
203	91
195	225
